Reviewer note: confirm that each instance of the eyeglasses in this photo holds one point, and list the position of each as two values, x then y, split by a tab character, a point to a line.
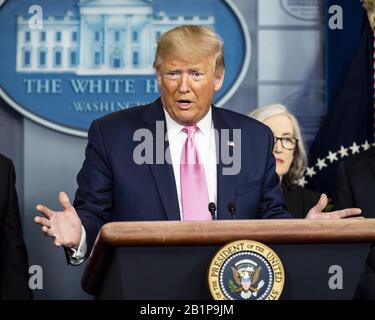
288	143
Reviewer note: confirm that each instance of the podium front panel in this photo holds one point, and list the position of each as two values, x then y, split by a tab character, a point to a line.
180	272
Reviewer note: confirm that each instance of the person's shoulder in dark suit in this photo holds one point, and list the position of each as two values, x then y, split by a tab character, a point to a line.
355	177
13	255
359	166
240	121
299	200
357	160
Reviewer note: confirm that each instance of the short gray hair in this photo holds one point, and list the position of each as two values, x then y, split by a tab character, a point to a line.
299	162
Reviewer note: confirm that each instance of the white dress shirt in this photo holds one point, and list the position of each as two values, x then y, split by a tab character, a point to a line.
206	145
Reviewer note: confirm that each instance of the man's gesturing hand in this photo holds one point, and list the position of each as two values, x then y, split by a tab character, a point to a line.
64	226
316	212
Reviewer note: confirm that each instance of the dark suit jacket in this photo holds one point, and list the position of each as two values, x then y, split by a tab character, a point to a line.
13	255
299	200
112	187
355	187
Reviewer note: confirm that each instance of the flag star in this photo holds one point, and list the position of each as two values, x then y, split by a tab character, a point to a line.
355	148
343	152
366	146
321	164
302	182
332	156
310	172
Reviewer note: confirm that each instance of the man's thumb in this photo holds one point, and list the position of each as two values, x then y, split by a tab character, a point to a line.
64	200
322	203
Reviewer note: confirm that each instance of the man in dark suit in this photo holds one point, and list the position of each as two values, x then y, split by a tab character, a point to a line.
13	255
355	180
355	186
114	184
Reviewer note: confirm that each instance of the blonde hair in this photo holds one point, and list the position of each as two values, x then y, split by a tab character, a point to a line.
191	41
299	162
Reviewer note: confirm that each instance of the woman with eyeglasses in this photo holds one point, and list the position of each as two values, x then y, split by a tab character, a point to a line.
290	156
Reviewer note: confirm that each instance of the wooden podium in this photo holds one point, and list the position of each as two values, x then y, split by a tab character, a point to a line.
170	259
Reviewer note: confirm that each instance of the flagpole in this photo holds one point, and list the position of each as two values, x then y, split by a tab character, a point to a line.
369	5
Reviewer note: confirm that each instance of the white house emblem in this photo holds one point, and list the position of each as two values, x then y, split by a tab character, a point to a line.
93	57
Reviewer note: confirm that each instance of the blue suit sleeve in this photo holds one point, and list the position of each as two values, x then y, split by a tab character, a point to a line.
93	199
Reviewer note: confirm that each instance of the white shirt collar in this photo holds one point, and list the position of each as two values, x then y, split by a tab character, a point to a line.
204	125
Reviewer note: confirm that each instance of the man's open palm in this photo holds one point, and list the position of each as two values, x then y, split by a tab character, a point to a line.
316	212
64	226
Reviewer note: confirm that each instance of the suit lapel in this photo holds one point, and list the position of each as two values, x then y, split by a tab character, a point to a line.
163	173
226	184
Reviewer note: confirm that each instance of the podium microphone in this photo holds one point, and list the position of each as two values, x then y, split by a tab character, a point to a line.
232	210
212	209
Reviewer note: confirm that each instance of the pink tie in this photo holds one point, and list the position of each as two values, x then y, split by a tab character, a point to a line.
194	193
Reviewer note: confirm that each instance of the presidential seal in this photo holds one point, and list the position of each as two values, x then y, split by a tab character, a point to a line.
246	270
